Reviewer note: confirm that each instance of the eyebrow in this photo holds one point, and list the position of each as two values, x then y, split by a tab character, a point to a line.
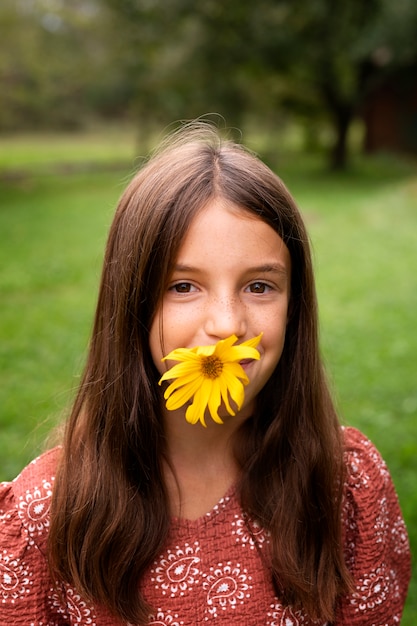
276	268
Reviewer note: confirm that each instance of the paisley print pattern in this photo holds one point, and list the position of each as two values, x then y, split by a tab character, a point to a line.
16	579
212	570
177	570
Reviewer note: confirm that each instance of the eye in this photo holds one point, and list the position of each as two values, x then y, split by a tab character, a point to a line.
258	287
182	287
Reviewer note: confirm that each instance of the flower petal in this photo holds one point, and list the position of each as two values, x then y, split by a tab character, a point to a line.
182	354
195	412
206	350
182	382
224	345
182	369
235	388
209	387
252	343
245	350
214	401
235	369
225	397
176	398
238	353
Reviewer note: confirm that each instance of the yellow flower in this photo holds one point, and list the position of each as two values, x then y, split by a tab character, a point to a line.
209	374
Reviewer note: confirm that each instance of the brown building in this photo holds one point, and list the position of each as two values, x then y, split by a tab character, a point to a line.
390	114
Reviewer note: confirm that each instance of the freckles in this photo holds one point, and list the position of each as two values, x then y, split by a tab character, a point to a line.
275	327
275	321
181	321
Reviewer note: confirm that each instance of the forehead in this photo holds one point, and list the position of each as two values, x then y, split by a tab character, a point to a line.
223	233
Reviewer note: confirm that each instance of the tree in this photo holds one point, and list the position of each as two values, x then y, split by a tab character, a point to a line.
172	59
185	58
51	55
317	57
333	53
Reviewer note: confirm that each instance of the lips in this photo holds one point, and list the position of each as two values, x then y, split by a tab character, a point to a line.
245	363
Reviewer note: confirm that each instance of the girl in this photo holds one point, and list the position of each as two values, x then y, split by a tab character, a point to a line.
204	476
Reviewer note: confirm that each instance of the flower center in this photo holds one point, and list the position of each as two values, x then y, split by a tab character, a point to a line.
211	367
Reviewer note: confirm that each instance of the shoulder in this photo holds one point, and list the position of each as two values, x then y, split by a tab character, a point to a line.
363	461
376	542
25	502
24	525
368	484
40	469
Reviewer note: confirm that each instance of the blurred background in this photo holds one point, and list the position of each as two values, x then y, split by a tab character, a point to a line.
66	64
325	92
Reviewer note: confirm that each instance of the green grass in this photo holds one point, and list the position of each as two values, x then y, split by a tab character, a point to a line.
363	226
53	236
43	152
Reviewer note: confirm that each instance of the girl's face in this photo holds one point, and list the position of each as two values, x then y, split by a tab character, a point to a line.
232	276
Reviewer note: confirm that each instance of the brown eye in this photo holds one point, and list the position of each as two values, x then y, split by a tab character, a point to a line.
182	287
258	287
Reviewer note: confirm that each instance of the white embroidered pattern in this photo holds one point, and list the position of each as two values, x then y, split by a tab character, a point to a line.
76	610
177	571
15	579
165	619
400	537
184	576
219	507
279	616
227	586
34	508
248	532
359	478
372	590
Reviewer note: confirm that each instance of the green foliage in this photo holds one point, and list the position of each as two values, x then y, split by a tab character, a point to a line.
245	58
63	62
55	63
364	234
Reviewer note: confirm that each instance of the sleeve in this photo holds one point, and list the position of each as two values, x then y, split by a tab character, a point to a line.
26	590
376	542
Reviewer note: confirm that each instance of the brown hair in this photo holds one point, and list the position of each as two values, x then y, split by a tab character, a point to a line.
110	513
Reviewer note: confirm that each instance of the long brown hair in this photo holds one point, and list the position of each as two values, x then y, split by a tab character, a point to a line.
110	513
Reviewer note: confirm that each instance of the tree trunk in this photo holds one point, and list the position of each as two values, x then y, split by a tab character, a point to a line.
342	119
341	109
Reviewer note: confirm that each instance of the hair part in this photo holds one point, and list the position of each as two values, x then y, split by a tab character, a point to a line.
110	483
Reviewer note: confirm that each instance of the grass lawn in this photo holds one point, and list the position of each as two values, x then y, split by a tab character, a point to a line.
363	226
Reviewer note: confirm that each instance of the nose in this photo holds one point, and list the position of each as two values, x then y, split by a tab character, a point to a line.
225	317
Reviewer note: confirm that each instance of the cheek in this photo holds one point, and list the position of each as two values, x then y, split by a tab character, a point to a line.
274	339
169	330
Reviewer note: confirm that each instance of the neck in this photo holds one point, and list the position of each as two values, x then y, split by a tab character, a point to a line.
196	442
201	466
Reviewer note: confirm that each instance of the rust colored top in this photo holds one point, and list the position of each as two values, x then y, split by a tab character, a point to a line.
211	570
